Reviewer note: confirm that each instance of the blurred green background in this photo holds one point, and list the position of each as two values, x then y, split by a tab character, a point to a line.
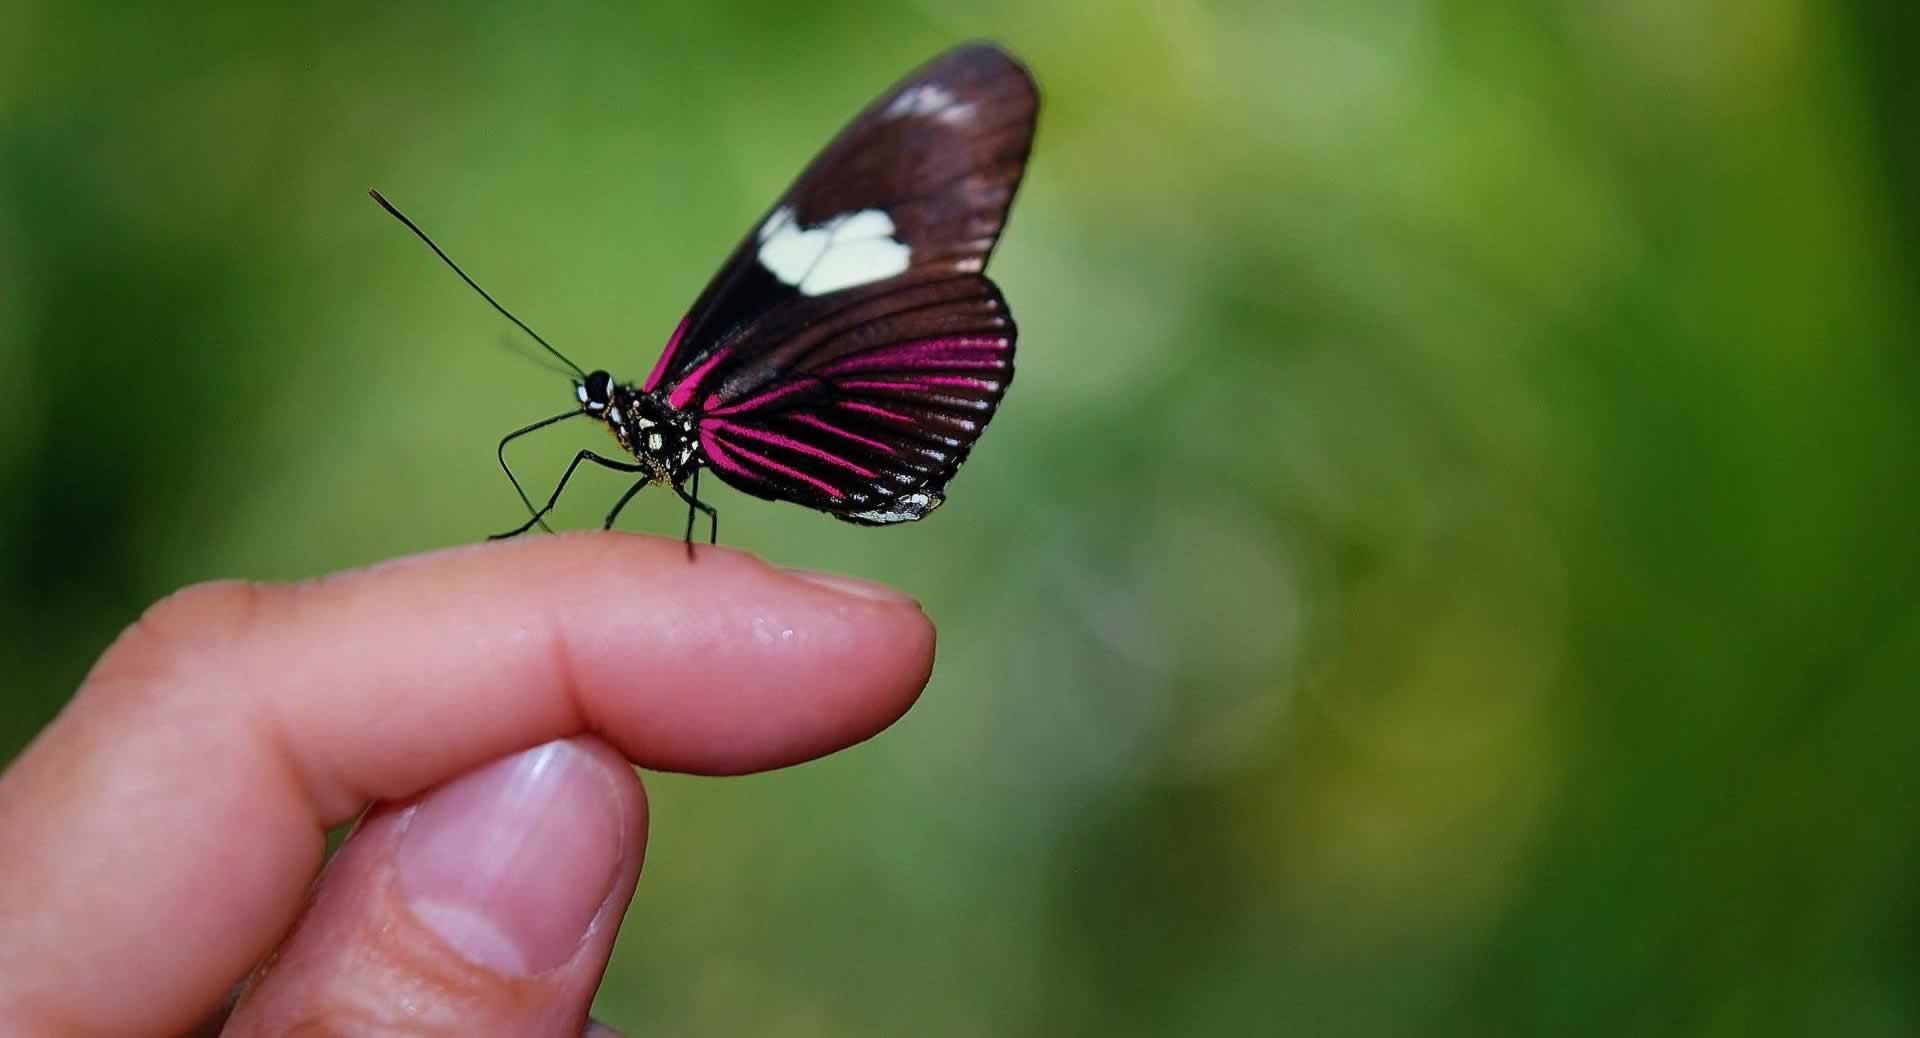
1446	564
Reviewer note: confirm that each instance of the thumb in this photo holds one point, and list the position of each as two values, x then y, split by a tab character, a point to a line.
486	906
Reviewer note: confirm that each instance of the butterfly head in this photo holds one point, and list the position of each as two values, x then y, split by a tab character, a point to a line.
596	393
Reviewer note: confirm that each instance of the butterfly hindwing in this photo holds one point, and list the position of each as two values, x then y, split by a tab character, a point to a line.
876	406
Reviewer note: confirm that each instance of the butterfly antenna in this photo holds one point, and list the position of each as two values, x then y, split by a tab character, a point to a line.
504	312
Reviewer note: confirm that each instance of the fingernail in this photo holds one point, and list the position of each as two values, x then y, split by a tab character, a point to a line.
511	863
850	586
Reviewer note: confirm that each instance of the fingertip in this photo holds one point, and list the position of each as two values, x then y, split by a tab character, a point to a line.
790	664
177	628
854	586
720	665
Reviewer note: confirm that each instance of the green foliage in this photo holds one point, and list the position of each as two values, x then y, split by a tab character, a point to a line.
1445	565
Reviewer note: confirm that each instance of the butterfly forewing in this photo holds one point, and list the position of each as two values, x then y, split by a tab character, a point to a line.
850	351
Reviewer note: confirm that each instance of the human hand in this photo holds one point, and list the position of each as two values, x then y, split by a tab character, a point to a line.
160	838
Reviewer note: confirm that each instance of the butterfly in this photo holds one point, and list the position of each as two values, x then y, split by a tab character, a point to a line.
849	353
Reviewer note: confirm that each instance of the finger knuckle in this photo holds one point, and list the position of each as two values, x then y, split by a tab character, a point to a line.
184	626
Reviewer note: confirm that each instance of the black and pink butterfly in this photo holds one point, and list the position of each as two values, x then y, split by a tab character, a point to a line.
849	353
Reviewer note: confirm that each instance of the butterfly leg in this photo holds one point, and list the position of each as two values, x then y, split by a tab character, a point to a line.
617	466
624	498
501	453
693	502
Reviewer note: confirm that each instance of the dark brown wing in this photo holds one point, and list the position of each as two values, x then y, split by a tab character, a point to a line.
916	188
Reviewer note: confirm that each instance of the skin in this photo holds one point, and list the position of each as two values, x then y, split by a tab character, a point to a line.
162	835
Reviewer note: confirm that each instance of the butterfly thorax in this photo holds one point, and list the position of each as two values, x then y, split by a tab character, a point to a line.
657	434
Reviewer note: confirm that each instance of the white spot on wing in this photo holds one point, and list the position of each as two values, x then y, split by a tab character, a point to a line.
780	218
929	99
867	223
855	263
790	251
849	250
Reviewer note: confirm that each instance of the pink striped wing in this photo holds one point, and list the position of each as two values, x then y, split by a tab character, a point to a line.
864	409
